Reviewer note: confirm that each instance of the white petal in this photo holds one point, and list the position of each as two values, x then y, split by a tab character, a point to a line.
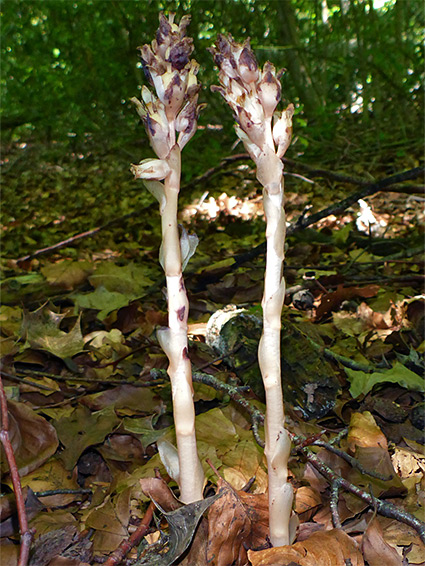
151	169
282	131
252	148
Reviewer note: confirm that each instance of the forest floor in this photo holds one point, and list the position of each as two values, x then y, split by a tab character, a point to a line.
85	378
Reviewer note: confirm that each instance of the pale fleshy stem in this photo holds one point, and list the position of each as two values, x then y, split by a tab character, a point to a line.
174	341
277	443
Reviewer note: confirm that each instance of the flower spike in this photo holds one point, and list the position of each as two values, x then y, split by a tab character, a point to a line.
173	110
253	95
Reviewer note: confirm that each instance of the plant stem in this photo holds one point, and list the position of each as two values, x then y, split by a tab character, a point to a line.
277	446
175	341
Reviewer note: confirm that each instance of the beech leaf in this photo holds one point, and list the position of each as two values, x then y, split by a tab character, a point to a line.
33	439
327	548
238	520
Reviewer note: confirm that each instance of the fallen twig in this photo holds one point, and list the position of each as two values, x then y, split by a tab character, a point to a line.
127	544
26	533
384	508
336	208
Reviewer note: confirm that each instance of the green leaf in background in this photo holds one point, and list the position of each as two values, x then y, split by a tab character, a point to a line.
10	320
362	382
130	279
82	429
103	300
41	331
67	274
115	287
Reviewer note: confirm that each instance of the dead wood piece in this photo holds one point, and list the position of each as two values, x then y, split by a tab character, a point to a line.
26	533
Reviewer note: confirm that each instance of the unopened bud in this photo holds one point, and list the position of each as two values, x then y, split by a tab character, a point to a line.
152	169
269	90
248	67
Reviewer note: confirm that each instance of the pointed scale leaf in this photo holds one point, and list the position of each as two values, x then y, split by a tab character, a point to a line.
169	457
188	245
156	188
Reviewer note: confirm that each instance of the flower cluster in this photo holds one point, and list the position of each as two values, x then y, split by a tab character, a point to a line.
169	69
253	94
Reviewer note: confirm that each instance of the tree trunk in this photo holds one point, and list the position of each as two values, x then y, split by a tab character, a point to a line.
295	62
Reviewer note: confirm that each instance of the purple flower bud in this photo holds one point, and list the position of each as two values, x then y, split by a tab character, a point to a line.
180	52
248	67
269	89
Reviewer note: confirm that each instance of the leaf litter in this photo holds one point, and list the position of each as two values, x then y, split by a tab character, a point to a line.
86	445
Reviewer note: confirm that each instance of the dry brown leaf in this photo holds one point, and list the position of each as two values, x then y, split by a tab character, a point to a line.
198	549
158	490
332	300
365	433
33	439
405	539
236	521
306	499
376	550
370	448
323	548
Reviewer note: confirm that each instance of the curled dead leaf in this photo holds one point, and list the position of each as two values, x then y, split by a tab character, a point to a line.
324	548
236	521
158	490
375	548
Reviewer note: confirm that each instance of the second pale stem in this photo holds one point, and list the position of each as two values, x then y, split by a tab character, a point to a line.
277	447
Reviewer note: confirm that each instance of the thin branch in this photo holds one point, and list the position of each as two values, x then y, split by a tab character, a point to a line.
50	492
26	533
384	508
335	208
351	460
368	190
127	544
76	237
34	384
333	504
302	222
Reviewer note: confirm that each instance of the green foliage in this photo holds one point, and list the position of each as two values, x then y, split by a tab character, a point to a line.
69	68
362	383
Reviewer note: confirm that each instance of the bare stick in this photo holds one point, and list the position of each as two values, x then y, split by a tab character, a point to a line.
384	508
26	533
127	544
